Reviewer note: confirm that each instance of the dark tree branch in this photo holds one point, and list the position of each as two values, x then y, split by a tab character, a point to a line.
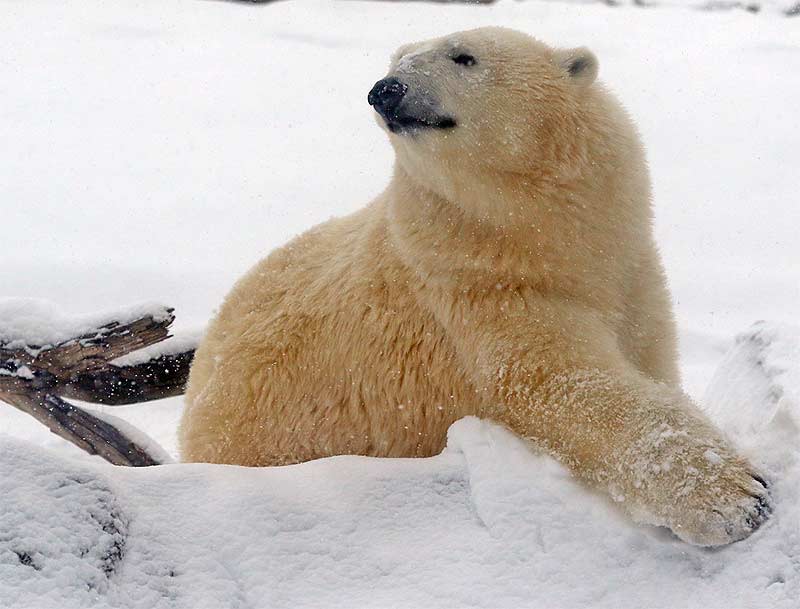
84	430
162	377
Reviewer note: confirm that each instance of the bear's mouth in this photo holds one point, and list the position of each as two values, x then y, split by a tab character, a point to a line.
406	123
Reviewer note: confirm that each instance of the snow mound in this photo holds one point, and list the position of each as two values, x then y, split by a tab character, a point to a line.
758	382
62	520
488	523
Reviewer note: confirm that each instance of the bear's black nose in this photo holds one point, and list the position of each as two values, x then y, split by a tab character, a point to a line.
386	96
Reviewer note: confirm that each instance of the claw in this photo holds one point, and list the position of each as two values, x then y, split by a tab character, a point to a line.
764	507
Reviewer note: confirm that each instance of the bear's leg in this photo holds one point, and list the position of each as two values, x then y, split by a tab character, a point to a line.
647	335
554	373
649	447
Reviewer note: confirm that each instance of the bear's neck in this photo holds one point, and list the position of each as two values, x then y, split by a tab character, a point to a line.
544	235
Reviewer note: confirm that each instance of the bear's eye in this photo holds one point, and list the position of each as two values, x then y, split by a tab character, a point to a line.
464	59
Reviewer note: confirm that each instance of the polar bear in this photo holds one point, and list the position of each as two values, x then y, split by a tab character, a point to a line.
508	271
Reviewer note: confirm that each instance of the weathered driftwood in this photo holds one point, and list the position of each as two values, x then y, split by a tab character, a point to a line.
33	379
161	377
83	429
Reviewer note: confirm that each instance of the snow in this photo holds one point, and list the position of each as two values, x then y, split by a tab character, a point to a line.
758	382
36	323
488	523
153	151
174	345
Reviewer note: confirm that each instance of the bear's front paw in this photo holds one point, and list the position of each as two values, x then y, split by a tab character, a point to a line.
682	474
720	503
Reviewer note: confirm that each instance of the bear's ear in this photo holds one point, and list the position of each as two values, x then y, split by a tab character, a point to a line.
580	64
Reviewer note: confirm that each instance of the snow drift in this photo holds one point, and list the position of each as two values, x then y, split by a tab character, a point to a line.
488	523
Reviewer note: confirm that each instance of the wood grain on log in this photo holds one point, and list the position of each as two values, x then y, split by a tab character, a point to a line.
83	429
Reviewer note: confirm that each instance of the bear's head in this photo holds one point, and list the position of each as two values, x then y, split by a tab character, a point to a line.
465	110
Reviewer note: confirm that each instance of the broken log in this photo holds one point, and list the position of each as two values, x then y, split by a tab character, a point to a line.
35	378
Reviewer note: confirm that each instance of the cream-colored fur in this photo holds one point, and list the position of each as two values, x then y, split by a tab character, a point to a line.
508	271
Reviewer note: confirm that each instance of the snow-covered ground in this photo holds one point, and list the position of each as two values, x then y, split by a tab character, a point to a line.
489	523
153	150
